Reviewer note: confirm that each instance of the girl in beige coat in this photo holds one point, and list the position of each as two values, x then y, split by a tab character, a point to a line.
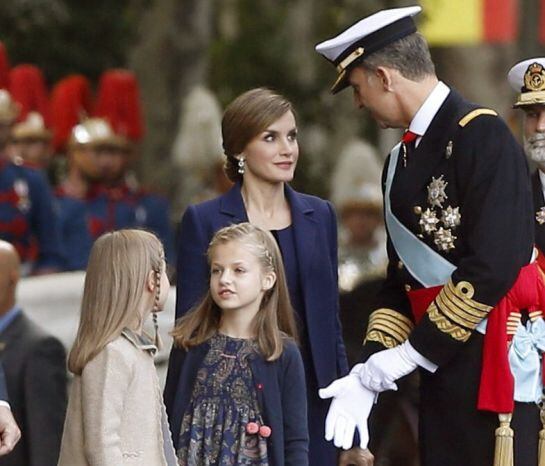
115	413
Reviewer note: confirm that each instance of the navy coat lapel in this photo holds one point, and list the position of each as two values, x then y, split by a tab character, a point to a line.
305	231
232	205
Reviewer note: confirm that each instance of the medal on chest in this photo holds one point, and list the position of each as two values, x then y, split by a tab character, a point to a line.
437	222
540	216
21	189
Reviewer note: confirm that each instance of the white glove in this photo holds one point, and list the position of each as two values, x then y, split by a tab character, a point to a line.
382	369
350	408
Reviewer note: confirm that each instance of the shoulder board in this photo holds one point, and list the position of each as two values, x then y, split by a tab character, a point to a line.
474	114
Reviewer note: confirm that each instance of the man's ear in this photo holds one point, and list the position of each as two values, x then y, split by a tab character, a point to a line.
268	281
385	75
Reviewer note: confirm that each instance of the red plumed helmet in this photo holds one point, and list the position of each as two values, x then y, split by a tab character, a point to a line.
71	100
4	67
118	101
27	88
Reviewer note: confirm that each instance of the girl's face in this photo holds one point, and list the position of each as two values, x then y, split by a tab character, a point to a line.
272	155
237	281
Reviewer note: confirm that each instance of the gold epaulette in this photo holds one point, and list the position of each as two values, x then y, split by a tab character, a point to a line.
388	327
474	114
455	313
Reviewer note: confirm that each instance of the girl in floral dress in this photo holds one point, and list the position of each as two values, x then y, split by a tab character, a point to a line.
242	396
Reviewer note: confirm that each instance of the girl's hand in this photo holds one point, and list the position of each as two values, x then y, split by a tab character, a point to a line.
356	457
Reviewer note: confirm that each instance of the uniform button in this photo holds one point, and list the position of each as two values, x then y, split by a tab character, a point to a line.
400	265
408	287
417	209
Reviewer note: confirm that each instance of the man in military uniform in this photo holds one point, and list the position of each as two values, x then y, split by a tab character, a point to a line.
27	218
30	142
118	102
527	78
86	209
457	205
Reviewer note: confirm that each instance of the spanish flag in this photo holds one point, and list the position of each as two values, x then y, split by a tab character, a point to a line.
468	22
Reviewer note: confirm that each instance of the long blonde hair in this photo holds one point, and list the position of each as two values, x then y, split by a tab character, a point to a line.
117	272
274	320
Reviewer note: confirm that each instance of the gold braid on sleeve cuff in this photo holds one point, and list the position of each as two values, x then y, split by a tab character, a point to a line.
388	327
455	313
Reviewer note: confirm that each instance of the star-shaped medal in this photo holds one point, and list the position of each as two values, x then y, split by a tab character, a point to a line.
540	216
436	192
428	221
451	217
444	239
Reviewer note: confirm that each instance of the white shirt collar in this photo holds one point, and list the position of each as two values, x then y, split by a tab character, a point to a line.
423	117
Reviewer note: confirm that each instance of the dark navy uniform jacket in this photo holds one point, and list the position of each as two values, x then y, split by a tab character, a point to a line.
74	225
539	202
152	213
483	172
27	217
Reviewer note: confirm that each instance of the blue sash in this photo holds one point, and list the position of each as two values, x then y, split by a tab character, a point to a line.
423	263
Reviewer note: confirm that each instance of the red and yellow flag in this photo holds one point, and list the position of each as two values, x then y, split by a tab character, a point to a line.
466	22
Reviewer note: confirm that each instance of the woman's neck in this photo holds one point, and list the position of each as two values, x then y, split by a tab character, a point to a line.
266	204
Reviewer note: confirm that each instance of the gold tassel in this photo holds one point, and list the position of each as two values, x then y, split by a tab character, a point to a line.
503	455
541	447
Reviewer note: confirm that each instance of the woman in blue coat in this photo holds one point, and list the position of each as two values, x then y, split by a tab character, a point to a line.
260	142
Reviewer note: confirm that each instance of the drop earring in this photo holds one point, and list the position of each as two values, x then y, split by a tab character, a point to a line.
241	163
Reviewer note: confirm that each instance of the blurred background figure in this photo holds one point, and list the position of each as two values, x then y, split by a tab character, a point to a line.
35	366
197	149
9	111
356	193
30	136
118	103
27	217
30	142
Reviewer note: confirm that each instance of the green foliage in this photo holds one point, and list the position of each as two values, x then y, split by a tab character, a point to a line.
67	36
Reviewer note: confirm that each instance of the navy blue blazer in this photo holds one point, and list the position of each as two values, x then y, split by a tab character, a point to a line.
281	394
315	230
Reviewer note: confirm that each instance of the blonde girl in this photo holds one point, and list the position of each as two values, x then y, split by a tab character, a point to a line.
242	396
115	413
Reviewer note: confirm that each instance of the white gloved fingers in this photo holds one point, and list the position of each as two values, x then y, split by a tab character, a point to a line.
330	421
349	434
335	388
340	428
364	434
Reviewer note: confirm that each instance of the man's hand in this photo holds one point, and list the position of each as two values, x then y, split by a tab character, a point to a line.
350	408
356	457
382	369
9	431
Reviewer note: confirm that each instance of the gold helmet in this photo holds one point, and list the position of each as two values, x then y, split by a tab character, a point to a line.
9	109
33	127
97	132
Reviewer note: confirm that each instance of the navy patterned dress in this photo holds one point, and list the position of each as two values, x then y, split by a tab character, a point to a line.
223	402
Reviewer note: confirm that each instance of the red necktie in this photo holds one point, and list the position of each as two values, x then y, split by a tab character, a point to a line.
408	139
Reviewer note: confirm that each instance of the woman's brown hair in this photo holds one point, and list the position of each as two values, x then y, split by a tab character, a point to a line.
275	318
248	115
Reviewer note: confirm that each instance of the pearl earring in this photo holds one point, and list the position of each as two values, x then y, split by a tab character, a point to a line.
241	163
